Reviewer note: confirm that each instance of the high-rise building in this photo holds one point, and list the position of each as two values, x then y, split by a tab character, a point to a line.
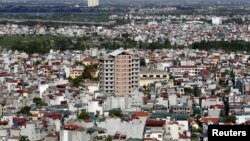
93	3
216	20
119	73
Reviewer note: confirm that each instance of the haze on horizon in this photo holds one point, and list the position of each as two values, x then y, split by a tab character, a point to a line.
128	1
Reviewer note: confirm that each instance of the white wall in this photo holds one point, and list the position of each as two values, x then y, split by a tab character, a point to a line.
43	88
242	118
94	106
133	129
185	123
172	99
93	88
174	131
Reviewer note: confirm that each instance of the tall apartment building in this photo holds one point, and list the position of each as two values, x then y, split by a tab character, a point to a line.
93	3
119	73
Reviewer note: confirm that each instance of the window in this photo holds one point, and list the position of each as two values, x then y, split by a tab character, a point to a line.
157	76
164	76
159	136
151	76
144	76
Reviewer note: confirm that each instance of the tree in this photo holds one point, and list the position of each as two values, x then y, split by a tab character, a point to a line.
232	74
25	110
38	101
230	118
83	115
37	63
223	74
86	75
142	62
146	90
224	45
115	112
194	137
197	91
188	91
175	62
109	138
75	82
222	112
24	138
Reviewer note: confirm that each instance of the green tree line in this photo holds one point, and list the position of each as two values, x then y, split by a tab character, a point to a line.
223	45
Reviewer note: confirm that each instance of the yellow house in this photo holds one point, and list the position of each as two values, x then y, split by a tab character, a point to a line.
18	56
75	73
89	61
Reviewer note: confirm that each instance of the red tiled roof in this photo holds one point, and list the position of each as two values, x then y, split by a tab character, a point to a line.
228	123
142	114
175	122
56	134
4	122
3	74
248	122
213	97
64	102
204	72
182	136
90	59
155	123
55	116
164	95
210	119
71	127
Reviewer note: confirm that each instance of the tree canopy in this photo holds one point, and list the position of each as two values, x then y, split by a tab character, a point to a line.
25	110
83	115
115	112
223	45
38	101
230	118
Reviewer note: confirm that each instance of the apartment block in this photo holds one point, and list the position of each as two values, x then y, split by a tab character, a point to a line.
119	72
93	3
